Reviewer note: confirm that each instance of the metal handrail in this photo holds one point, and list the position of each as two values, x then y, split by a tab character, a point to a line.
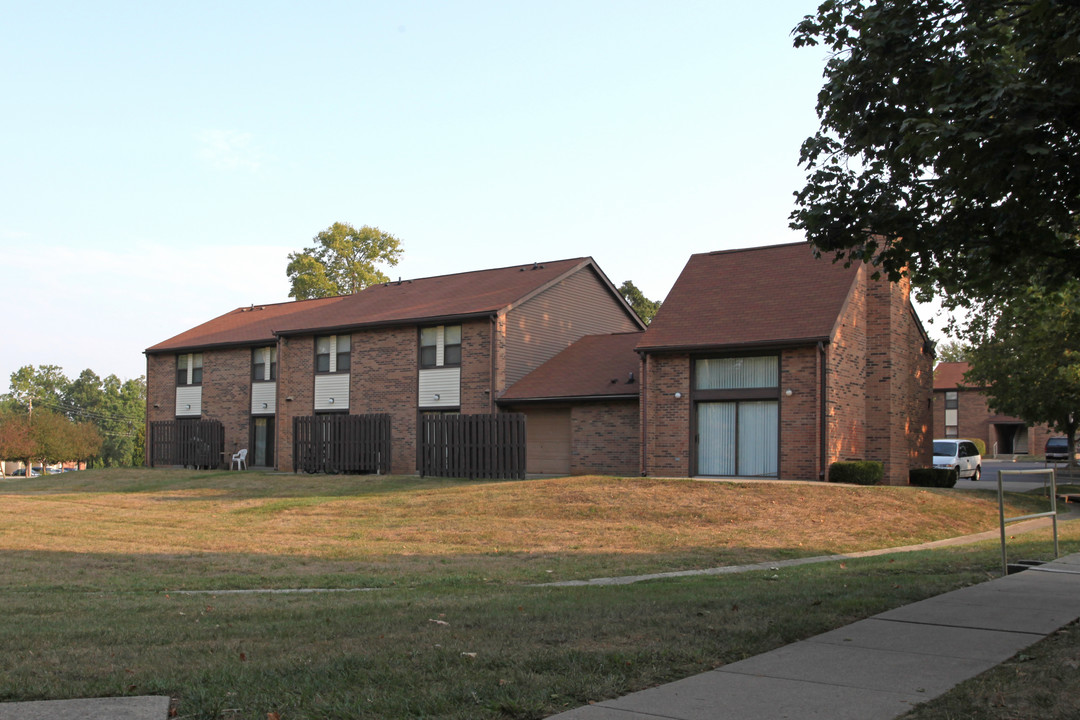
1051	514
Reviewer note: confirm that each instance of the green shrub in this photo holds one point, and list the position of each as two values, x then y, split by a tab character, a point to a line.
979	444
857	472
933	477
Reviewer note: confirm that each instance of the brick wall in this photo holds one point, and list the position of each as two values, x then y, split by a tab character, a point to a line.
477	372
846	381
226	393
604	438
665	418
800	427
898	382
160	391
384	380
296	379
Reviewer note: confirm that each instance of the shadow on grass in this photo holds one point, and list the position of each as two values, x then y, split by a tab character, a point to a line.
227	485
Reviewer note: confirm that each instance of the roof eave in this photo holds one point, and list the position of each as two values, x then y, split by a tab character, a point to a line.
565	398
397	322
210	346
734	347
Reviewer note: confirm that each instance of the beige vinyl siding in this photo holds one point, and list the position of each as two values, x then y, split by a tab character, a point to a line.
263	393
545	325
334	388
444	382
189	401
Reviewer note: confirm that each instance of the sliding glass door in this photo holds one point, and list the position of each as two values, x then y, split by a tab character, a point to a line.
738	438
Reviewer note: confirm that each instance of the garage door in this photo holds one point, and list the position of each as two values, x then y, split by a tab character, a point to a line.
548	448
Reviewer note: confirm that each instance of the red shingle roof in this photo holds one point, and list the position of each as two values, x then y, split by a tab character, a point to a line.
444	296
769	295
244	326
950	375
594	366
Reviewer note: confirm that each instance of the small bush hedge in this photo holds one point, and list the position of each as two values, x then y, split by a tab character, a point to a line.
857	472
978	444
933	477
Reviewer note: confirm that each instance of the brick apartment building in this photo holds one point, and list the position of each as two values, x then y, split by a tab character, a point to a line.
763	362
963	411
446	344
770	362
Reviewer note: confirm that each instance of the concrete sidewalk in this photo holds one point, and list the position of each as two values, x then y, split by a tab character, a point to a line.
874	669
146	707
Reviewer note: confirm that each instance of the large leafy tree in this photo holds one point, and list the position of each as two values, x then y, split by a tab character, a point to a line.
42	385
949	142
16	440
643	306
342	261
1028	358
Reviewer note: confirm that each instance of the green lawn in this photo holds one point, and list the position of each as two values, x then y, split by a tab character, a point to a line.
437	614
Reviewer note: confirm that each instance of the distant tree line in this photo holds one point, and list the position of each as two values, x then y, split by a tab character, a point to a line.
46	418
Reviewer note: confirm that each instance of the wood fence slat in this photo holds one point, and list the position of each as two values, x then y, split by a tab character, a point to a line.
342	443
472	446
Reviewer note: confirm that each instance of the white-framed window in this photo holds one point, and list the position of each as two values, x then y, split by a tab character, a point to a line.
440	346
189	368
264	364
952	413
332	353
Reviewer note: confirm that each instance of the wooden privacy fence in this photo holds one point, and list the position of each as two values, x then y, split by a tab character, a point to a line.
342	443
198	443
473	446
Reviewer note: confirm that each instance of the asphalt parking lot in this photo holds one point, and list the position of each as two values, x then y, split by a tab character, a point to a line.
1013	483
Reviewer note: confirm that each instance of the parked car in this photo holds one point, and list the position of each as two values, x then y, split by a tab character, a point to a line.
21	472
1057	449
960	455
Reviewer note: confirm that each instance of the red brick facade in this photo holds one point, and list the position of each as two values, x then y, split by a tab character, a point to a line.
665	419
296	392
604	438
226	394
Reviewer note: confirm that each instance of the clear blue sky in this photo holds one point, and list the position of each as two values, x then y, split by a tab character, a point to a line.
158	161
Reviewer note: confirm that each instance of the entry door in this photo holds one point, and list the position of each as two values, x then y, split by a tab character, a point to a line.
262	441
738	438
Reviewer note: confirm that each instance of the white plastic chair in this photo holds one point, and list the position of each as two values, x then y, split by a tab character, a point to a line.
239	458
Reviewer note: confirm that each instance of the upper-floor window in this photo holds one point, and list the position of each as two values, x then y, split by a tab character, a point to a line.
440	346
736	373
332	353
189	369
952	413
264	364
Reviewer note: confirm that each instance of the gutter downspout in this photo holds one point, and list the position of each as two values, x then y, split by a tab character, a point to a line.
643	422
824	408
491	370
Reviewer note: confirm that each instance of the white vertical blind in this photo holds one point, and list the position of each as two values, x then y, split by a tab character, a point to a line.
758	437
716	438
736	373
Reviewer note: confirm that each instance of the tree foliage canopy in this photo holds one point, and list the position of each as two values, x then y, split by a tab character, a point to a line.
114	408
949	142
342	261
1029	359
643	306
953	351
